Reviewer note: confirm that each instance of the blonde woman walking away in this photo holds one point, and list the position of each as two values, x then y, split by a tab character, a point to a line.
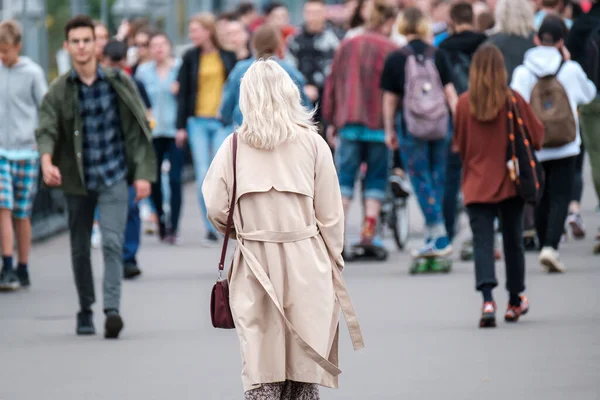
286	289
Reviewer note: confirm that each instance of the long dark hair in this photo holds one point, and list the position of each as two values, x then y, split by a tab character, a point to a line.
357	18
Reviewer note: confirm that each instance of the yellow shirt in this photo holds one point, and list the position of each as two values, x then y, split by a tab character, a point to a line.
211	79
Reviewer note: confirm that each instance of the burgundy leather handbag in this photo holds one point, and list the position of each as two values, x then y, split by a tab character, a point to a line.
220	312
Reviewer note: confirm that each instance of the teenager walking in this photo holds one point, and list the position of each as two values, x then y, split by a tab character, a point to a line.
159	77
481	137
460	47
352	105
94	141
555	87
418	94
202	75
24	85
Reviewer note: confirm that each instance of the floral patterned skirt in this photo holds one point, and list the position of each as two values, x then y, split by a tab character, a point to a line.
288	390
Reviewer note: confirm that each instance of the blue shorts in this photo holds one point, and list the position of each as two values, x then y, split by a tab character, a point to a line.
350	154
18	185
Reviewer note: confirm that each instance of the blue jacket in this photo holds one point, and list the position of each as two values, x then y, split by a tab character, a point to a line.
229	110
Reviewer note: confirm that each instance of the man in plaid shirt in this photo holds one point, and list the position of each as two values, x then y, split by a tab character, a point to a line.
94	141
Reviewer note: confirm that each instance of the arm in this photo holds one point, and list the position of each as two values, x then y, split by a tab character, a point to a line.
182	94
451	97
586	89
390	105
215	188
40	87
46	137
329	211
521	82
231	95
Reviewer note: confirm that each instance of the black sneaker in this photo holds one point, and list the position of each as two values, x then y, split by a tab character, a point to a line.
85	323
131	270
23	275
9	280
113	325
162	231
212	237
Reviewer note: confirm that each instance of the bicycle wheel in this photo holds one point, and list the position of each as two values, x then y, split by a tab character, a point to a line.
399	225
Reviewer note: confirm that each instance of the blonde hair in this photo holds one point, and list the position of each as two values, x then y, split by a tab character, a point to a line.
380	14
514	17
209	22
414	22
10	32
271	106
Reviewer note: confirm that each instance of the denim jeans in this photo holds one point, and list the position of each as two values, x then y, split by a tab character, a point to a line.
132	229
425	163
350	154
112	205
166	148
205	136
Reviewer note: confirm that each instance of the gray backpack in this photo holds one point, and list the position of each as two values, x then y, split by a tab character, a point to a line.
425	111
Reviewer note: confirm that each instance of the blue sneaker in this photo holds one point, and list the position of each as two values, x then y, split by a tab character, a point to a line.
438	247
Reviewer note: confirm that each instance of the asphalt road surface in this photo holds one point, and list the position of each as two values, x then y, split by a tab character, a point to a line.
422	340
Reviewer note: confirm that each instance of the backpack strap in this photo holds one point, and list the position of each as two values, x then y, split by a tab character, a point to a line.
562	62
429	52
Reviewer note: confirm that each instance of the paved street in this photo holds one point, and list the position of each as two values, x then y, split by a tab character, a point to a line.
422	340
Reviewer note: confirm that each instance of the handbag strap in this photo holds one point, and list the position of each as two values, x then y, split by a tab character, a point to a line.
231	206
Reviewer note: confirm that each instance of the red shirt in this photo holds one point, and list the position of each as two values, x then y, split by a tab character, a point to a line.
352	94
482	147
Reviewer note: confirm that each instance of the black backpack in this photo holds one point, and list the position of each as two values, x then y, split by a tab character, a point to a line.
591	64
460	70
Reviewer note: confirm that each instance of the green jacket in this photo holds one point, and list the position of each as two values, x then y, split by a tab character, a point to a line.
61	128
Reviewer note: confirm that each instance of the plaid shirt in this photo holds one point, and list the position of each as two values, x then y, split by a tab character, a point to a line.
103	146
352	94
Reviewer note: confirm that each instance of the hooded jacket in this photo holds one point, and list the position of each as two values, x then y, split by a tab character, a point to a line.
22	88
543	61
466	42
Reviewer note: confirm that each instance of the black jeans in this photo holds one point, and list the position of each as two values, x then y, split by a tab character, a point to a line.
166	147
482	218
551	213
577	191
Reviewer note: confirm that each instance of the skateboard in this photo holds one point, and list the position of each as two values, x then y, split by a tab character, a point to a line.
430	264
366	252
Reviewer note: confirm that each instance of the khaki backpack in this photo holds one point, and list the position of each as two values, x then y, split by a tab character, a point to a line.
550	102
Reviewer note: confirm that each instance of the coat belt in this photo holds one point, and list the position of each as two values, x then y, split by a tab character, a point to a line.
280	237
338	283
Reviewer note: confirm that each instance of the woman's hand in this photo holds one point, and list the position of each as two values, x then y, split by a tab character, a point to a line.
180	138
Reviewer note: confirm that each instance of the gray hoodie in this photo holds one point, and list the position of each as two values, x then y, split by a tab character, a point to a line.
22	88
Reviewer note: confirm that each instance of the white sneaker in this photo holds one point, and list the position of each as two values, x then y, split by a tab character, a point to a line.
550	260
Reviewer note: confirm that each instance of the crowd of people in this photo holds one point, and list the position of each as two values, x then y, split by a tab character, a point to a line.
438	99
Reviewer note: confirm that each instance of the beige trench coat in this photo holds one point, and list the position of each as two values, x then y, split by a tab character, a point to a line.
286	289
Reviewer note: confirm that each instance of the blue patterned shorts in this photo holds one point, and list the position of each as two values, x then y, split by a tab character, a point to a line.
18	185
